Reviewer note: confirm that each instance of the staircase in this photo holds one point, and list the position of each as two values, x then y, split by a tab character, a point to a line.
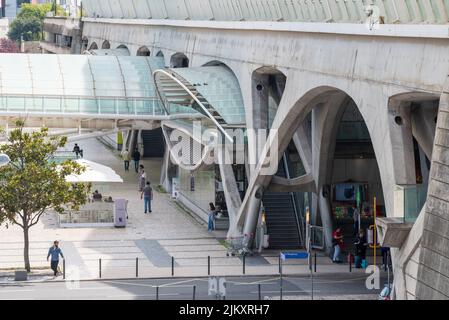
281	221
281	217
174	94
153	143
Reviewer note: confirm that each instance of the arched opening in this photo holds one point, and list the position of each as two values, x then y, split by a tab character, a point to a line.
179	60
93	46
345	168
160	54
106	45
283	210
125	49
143	51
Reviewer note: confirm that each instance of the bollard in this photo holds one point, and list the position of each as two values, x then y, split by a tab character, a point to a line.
99	268
280	271
244	264
63	269
194	292
281	288
137	267
314	265
208	265
350	262
172	266
260	291
157	293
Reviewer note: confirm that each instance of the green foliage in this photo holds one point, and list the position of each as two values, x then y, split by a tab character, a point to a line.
32	184
28	10
30	28
29	21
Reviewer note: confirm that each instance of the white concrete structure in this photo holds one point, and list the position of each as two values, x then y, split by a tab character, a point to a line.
380	71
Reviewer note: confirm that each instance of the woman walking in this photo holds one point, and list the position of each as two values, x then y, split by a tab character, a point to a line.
211	216
142	178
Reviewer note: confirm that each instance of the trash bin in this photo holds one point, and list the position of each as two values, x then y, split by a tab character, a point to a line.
120	213
21	275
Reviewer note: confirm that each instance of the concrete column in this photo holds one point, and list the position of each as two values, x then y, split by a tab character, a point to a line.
325	123
232	196
260	94
423	126
253	215
402	143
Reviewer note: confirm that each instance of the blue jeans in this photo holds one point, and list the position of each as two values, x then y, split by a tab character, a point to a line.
337	251
210	225
126	165
136	165
147	202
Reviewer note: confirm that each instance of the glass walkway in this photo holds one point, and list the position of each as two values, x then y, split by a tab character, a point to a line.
79	84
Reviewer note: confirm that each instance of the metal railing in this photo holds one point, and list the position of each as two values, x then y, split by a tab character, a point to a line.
81	104
348	11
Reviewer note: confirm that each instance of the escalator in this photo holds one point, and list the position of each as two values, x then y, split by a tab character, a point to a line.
153	143
282	217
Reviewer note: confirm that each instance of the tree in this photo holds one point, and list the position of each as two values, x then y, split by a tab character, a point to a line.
30	20
29	10
33	184
8	46
29	27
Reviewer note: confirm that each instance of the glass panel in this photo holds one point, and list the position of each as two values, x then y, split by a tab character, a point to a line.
15	104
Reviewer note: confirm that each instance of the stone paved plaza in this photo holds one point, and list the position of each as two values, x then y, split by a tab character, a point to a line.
153	239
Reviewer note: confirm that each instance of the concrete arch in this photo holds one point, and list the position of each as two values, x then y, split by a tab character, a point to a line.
106	45
330	102
93	46
143	51
179	60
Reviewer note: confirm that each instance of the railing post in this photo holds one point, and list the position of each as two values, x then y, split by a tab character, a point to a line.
259	289
194	292
280	268
137	267
172	266
157	293
208	265
99	268
314	265
244	264
63	269
350	262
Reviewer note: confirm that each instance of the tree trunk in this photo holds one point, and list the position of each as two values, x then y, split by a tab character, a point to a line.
26	249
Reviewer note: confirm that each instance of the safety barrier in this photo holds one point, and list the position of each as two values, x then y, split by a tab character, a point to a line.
348	11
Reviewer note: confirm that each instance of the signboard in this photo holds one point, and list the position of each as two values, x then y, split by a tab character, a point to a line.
294	255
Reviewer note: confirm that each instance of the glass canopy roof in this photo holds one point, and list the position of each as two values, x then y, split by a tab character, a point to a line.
220	87
79	84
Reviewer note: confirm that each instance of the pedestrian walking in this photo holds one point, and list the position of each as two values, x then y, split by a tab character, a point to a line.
142	178
126	158
211	217
337	242
136	157
361	245
54	252
147	196
77	150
